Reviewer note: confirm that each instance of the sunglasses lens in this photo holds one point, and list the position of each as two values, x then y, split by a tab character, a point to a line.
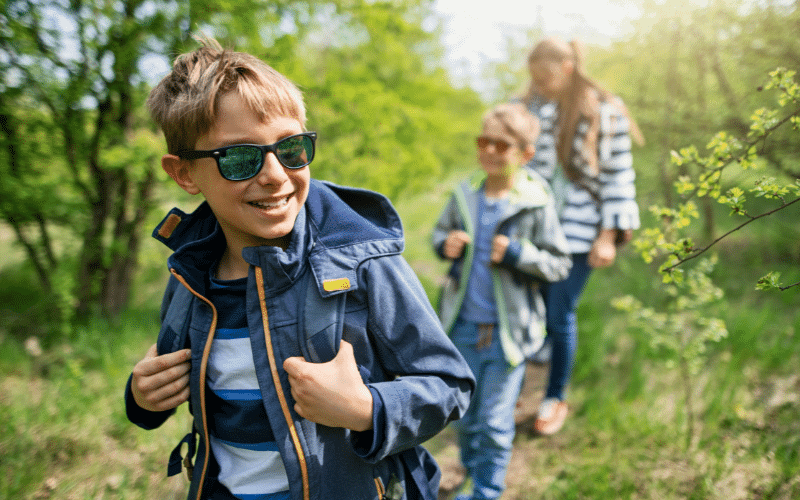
499	146
240	162
295	152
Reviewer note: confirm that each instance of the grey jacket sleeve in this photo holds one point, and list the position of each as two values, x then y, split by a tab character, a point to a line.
449	220
544	254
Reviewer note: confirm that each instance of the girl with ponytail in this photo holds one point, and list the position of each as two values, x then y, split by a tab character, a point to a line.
584	151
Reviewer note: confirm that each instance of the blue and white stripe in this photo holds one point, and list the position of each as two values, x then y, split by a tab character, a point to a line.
609	201
241	437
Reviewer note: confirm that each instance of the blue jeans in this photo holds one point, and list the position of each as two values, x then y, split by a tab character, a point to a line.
561	299
486	432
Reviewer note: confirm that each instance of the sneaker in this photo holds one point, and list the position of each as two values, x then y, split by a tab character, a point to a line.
551	416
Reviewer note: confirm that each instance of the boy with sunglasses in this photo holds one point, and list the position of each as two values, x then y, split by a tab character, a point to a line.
501	230
271	424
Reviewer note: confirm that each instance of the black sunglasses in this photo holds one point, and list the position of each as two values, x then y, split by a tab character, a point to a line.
243	161
500	146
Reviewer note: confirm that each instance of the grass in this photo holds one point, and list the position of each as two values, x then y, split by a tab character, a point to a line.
64	434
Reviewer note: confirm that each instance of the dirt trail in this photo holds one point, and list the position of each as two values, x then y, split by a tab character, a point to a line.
531	395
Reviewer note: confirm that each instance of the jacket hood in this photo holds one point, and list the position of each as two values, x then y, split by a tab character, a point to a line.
348	226
336	230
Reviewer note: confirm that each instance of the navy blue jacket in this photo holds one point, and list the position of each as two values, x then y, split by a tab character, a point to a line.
344	240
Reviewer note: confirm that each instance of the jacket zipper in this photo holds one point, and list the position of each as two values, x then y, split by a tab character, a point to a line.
278	387
203	367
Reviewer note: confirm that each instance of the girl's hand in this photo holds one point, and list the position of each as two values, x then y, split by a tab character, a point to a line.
604	250
331	393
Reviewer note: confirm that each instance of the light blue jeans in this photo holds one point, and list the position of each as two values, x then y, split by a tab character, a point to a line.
486	431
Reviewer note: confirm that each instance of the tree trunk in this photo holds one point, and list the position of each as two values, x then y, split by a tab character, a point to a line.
116	287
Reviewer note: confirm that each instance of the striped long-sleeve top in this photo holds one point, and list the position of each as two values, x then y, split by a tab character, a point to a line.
242	440
607	200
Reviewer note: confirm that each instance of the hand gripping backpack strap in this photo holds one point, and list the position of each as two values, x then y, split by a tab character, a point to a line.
322	322
173	337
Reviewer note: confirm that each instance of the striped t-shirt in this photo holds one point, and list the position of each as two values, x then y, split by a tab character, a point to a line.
241	436
611	203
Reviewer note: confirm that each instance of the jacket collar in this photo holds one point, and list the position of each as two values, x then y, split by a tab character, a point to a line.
336	230
528	190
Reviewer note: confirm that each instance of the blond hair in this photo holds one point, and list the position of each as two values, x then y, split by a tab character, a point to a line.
185	103
583	100
517	120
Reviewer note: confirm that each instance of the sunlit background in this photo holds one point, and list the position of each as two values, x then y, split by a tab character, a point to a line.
663	406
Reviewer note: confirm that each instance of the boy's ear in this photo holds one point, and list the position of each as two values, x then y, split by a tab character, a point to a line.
528	152
179	170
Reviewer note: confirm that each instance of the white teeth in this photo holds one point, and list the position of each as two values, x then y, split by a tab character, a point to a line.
270	205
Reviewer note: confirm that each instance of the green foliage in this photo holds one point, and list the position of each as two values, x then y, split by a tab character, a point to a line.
726	155
681	329
79	157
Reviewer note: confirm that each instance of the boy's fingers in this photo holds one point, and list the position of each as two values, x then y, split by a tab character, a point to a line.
172	401
178	399
345	354
168	396
171	389
151	365
152	352
294	365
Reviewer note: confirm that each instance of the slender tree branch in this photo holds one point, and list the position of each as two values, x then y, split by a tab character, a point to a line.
701	251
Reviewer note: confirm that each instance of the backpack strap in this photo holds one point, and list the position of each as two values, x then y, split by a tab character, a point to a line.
176	459
321	322
173	337
174	334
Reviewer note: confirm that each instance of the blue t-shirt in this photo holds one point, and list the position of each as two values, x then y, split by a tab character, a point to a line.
479	305
241	436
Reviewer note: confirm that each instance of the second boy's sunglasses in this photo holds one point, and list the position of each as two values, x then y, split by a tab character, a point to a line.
500	146
243	161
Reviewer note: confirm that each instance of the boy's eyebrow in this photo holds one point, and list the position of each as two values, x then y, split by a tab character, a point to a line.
245	140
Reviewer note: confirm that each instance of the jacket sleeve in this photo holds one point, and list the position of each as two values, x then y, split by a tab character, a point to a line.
544	254
618	207
432	384
449	220
145	419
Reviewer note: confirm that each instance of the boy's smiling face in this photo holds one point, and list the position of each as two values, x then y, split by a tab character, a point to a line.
498	163
260	210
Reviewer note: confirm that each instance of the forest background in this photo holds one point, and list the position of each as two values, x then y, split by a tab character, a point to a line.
686	383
